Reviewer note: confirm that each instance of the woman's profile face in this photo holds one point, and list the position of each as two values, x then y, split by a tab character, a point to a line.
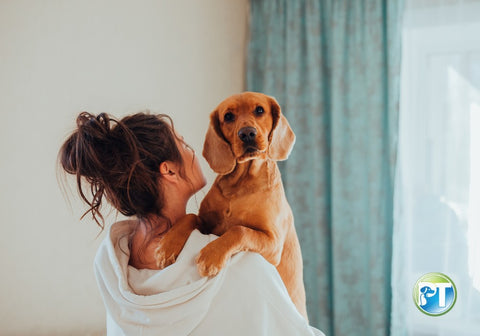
193	171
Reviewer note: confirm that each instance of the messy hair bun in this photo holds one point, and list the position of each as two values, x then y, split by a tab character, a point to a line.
120	161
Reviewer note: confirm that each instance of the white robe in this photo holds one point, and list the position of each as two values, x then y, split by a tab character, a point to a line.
247	297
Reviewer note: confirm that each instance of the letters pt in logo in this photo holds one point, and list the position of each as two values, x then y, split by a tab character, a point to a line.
434	294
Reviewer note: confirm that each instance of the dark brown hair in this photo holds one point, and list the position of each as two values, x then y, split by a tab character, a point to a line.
120	159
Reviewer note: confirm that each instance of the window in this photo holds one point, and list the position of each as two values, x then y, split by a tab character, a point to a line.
437	201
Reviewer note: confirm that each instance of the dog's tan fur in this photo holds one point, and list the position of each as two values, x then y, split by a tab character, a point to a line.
246	205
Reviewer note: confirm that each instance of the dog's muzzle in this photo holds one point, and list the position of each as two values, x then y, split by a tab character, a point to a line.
247	135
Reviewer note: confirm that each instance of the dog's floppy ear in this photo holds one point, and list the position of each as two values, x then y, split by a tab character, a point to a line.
216	150
281	137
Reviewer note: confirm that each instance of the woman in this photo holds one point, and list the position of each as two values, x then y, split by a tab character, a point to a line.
143	168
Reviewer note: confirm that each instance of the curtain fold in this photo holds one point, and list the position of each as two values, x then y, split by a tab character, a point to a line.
334	68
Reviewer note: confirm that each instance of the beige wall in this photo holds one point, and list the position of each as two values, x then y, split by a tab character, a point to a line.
58	58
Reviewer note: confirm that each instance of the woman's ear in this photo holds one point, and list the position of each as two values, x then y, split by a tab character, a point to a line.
168	170
216	150
281	136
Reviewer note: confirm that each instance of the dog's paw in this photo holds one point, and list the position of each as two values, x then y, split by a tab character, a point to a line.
166	253
210	260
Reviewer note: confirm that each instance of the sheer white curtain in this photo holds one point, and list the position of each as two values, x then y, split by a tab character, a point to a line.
437	201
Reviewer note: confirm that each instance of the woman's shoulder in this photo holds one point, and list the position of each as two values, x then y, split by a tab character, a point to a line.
120	228
255	274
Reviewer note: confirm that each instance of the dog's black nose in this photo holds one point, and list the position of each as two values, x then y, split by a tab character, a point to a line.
247	134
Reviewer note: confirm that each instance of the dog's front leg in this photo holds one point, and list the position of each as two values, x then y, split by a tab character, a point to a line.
171	243
213	257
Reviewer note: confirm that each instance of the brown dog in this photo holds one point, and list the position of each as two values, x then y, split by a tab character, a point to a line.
246	205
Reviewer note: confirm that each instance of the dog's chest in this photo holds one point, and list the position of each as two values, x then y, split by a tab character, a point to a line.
220	211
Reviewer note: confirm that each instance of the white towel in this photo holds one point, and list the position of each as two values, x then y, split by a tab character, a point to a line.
247	297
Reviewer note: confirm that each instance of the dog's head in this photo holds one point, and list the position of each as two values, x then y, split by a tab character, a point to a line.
244	127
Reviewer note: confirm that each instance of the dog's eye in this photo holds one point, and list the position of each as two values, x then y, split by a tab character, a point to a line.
229	116
259	110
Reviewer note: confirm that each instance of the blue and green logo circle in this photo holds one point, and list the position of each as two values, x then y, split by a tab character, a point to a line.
434	294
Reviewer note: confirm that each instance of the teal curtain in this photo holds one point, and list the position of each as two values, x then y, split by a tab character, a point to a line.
334	67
